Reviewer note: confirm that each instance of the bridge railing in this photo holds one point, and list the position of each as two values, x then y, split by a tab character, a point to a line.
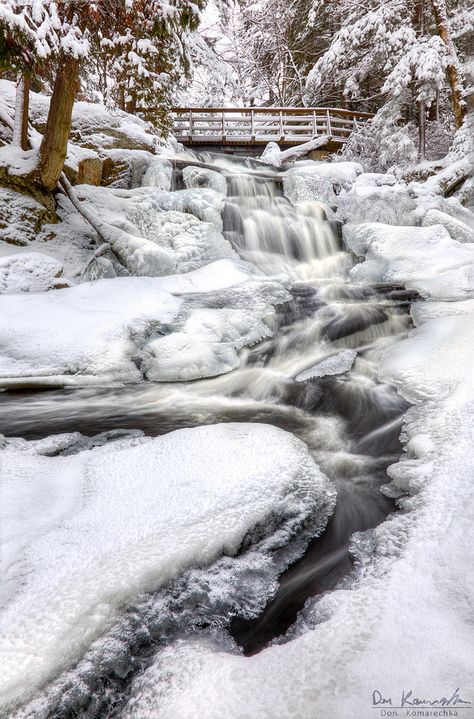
264	124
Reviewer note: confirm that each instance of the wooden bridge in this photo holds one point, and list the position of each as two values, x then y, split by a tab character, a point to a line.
252	128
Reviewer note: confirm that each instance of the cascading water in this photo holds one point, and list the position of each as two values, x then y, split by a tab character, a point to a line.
316	376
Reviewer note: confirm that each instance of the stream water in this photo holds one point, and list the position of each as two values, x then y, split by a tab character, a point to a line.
350	421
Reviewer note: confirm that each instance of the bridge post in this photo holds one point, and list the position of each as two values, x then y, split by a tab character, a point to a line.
281	125
223	125
329	129
252	125
315	124
191	124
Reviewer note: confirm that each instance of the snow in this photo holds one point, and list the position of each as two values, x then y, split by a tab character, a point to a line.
321	181
426	259
29	272
334	364
458	229
107	524
121	329
377	197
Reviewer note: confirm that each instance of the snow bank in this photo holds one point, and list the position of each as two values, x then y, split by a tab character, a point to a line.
319	180
81	333
105	525
29	272
128	328
426	259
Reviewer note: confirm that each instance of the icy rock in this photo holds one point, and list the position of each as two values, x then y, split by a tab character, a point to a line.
101	331
200	177
335	364
158	174
321	181
101	527
426	259
189	242
29	272
458	230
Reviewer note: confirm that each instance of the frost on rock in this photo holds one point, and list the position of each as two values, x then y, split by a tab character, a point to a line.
29	272
200	177
20	217
190	242
426	259
321	181
108	524
335	364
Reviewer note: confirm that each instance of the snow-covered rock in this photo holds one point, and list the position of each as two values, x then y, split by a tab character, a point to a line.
321	181
377	197
29	272
458	229
20	217
426	259
102	526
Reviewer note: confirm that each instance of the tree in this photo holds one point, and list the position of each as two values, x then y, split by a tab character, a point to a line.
140	43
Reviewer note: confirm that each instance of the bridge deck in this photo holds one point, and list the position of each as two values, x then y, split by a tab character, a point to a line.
287	126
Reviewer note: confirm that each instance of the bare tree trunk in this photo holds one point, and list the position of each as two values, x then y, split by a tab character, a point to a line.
22	103
53	148
453	69
421	130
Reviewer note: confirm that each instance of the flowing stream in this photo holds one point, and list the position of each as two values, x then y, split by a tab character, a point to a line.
304	379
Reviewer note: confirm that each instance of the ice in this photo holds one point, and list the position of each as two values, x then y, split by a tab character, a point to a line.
321	181
201	177
29	272
206	346
110	523
158	174
335	364
190	242
426	259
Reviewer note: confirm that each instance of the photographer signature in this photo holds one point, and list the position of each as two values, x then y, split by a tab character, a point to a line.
408	699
